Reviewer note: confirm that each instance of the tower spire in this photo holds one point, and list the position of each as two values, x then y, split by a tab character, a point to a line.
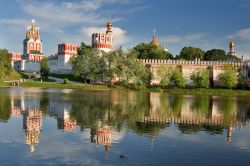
154	32
109	25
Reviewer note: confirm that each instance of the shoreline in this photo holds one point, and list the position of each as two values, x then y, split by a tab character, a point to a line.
199	91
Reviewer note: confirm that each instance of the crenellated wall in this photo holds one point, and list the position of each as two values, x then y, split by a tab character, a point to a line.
189	67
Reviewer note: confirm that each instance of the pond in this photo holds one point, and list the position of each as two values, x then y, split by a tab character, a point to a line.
81	127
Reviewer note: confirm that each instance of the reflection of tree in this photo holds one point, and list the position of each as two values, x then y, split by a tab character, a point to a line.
214	129
190	128
112	107
200	104
44	103
5	108
176	102
150	128
228	108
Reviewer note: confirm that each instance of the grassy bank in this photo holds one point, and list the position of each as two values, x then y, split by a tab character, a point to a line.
61	86
151	89
212	91
70	77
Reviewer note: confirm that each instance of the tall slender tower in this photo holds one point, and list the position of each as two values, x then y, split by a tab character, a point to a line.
32	44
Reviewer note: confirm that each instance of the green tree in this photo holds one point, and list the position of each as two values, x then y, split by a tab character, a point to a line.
2	72
200	79
215	55
85	65
163	75
192	53
149	51
44	68
228	78
5	63
177	79
134	71
242	80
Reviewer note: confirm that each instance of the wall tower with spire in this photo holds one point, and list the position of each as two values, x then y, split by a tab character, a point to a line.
103	41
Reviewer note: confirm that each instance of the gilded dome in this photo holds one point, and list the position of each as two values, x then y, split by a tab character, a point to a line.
109	23
155	42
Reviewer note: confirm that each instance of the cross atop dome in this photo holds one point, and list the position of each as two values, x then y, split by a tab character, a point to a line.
154	41
33	21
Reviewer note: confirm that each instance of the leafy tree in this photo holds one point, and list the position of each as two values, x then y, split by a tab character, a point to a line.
85	65
163	75
178	79
191	53
2	72
242	81
5	63
201	79
134	71
215	55
228	78
44	68
149	51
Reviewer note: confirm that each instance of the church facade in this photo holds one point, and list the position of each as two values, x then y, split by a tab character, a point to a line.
32	51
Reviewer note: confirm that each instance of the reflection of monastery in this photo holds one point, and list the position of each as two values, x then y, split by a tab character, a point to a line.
189	110
184	111
29	107
62	110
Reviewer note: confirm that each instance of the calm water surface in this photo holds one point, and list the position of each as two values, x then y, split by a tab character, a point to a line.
75	127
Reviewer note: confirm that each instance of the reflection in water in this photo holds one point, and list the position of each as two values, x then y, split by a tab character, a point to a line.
101	134
32	125
108	111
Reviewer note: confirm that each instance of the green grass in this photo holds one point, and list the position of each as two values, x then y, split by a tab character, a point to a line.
70	77
212	91
13	76
61	86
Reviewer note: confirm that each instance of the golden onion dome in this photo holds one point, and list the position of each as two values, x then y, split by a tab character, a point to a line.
109	23
155	42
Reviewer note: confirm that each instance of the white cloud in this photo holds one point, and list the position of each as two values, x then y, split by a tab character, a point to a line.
243	35
63	21
176	39
119	35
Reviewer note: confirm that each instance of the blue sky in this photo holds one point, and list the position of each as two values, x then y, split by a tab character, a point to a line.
200	23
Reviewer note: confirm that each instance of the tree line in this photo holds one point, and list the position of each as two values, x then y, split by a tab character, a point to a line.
149	51
126	70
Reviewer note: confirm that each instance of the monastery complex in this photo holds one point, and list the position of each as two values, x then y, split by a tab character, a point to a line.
103	41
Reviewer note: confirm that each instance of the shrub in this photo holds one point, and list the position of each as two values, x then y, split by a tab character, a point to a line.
200	79
177	79
66	81
228	78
